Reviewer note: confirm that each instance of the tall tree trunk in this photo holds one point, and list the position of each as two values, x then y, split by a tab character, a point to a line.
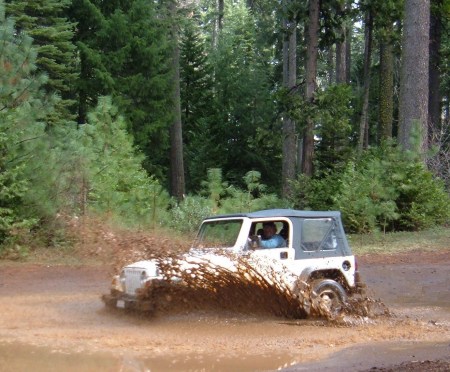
220	15
386	105
364	123
413	107
82	94
341	52
348	55
341	67
177	181
330	65
288	130
218	23
434	109
312	46
447	112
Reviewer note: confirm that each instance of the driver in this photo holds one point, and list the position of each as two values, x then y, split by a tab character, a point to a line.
270	238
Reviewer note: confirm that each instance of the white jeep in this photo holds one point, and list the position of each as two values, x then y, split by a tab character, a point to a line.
315	252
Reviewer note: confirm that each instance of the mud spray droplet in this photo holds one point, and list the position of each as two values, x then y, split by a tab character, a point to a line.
244	288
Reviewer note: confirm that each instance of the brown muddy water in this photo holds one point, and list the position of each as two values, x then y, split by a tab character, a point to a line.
51	318
19	357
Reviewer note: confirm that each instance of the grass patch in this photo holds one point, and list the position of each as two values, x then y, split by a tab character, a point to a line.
436	239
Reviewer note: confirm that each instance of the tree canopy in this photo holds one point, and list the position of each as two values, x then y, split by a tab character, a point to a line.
263	103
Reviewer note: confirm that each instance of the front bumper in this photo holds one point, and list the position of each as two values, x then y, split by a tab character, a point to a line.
119	300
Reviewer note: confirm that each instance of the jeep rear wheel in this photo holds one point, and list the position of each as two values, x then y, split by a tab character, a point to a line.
328	297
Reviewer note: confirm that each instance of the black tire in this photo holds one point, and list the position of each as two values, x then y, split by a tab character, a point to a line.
328	296
110	301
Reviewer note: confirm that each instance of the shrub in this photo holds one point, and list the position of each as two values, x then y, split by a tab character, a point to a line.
422	200
314	193
187	215
386	189
365	199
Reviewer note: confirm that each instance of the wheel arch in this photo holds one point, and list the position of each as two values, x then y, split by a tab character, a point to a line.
310	276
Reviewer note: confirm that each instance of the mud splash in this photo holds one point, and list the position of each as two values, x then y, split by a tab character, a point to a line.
246	287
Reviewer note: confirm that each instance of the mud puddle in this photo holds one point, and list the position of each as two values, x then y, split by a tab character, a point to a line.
20	357
385	356
51	318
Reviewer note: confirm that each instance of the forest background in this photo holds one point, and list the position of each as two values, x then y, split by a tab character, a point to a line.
158	113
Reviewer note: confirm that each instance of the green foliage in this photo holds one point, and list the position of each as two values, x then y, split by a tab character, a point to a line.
22	104
404	194
333	127
52	34
423	201
125	54
331	112
366	197
12	190
94	79
243	127
187	215
220	198
252	199
197	104
387	190
136	53
230	91
314	193
214	188
159	201
115	180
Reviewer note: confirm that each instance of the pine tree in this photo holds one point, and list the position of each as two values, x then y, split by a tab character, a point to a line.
124	50
52	33
245	136
22	105
94	79
197	104
413	106
114	179
312	40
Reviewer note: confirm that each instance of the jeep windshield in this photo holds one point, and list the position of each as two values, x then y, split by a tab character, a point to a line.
218	234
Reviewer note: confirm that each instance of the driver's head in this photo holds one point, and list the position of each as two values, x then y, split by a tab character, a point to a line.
269	229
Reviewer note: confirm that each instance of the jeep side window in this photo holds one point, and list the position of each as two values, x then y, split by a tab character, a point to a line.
274	237
318	234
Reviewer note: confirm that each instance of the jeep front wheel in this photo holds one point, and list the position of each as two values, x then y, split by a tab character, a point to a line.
328	297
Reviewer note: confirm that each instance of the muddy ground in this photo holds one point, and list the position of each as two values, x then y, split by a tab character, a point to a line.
52	318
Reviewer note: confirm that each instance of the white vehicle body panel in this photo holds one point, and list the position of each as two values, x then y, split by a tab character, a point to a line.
291	263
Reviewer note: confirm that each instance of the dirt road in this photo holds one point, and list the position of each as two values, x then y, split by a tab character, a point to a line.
51	318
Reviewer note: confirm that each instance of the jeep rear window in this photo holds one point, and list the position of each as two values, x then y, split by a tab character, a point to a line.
318	234
218	234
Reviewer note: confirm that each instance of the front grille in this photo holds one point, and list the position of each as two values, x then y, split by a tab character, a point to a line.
132	280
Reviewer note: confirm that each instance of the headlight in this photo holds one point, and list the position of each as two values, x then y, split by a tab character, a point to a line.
118	283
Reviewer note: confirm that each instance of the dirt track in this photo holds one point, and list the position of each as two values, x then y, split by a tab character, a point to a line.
51	317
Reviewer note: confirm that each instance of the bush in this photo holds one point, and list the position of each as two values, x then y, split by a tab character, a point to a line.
387	190
365	199
422	200
187	215
314	193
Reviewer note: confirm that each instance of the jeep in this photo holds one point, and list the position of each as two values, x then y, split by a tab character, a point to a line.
315	252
